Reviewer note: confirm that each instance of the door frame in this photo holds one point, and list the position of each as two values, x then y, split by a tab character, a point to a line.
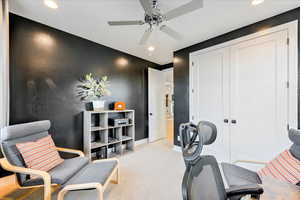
292	29
167	70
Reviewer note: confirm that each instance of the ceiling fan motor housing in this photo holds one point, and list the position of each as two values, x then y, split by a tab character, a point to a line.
153	16
154	19
154	3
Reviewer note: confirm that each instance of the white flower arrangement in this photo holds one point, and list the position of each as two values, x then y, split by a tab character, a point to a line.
93	88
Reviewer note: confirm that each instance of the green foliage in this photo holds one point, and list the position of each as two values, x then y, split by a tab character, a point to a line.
93	88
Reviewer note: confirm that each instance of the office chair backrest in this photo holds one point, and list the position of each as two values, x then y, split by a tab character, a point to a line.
294	136
208	131
202	179
12	135
193	138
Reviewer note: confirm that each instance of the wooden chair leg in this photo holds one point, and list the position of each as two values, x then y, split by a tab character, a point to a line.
101	196
47	192
118	175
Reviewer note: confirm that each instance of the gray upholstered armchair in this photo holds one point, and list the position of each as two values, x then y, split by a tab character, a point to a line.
237	176
75	174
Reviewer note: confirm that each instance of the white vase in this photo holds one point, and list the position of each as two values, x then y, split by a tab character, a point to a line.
98	105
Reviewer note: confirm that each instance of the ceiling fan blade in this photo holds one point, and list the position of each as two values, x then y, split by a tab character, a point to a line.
169	31
145	37
184	9
147	5
125	23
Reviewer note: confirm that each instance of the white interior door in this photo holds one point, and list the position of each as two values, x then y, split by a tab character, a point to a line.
210	77
259	98
156	107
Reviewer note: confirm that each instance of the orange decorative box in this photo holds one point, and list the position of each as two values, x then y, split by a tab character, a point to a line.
119	105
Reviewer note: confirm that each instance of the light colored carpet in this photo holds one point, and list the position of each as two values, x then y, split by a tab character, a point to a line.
153	172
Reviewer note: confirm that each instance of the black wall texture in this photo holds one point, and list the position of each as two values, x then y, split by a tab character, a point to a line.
166	66
181	66
45	67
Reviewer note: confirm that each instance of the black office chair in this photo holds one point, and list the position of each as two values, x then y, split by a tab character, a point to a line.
202	179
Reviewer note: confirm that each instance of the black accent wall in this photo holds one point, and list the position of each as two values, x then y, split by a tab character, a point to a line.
166	66
181	66
45	66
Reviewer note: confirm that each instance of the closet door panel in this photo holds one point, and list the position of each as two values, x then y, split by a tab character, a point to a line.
259	74
211	94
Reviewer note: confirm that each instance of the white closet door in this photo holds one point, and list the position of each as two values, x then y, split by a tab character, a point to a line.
259	98
210	99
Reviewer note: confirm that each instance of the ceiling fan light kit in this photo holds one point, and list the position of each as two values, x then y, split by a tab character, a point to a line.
154	17
257	2
151	48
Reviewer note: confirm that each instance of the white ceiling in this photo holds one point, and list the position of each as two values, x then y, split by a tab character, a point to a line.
88	19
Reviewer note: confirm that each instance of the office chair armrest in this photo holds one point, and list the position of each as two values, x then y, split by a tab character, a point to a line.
45	176
254	190
73	151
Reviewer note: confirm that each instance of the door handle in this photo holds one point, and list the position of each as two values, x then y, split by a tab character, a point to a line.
226	121
150	114
233	121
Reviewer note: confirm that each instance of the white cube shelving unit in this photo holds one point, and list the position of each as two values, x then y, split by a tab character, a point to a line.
105	140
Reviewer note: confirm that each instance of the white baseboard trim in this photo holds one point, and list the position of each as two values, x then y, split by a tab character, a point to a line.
141	142
177	148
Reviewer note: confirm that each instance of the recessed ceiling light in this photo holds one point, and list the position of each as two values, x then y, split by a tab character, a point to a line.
257	2
151	48
51	4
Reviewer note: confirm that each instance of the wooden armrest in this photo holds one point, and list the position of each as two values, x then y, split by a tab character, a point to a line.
45	176
73	151
75	187
250	162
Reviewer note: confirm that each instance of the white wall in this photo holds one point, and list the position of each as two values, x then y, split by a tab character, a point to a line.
4	64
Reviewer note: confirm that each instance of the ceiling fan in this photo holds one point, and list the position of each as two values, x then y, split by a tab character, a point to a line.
154	17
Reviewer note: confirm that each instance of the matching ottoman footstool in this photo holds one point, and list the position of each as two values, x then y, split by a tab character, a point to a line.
90	182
